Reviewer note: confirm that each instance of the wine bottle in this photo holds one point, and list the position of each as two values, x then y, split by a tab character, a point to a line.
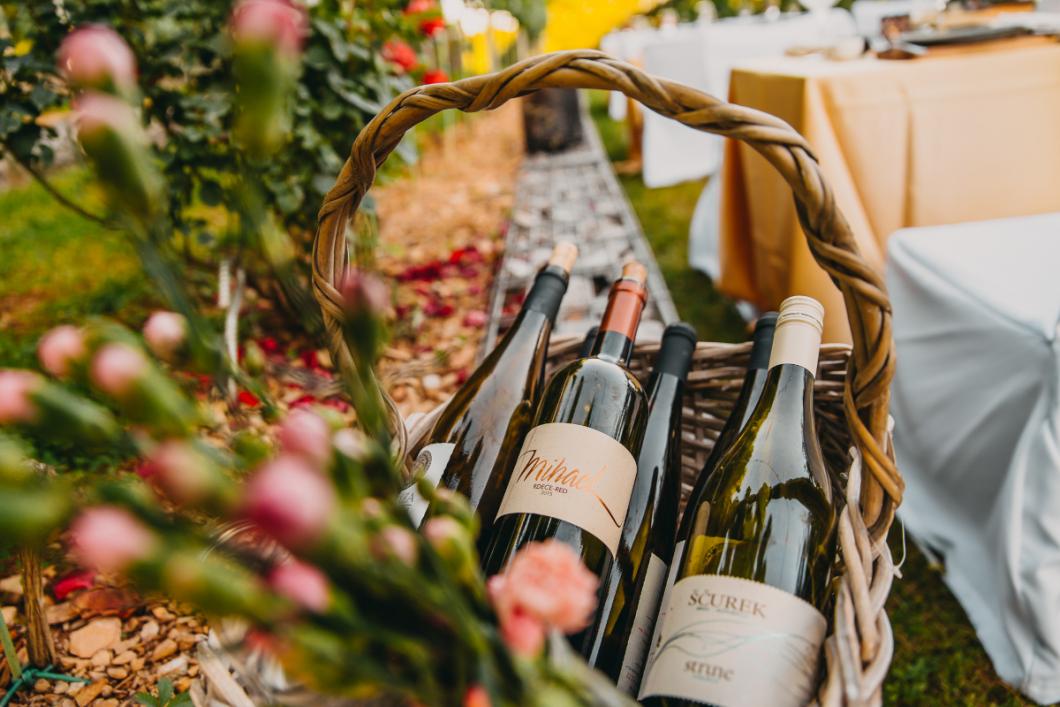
743	624
475	437
617	642
573	477
587	343
753	383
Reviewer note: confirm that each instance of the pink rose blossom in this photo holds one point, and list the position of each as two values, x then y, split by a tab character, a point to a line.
271	21
477	696
95	56
524	634
16	396
109	539
548	581
165	333
290	501
307	435
395	542
303	584
116	368
59	348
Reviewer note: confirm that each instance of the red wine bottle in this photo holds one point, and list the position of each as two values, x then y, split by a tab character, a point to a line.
574	474
617	642
475	438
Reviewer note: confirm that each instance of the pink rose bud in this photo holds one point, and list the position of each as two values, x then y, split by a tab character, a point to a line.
372	508
442	530
165	333
351	443
548	581
97	57
97	112
275	22
524	634
305	434
303	584
184	473
477	696
290	501
397	543
116	368
59	348
364	294
16	396
109	539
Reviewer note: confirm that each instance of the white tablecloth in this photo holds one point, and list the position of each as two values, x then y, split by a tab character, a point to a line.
977	411
702	56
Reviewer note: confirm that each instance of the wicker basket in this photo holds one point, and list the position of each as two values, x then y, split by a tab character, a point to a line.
853	383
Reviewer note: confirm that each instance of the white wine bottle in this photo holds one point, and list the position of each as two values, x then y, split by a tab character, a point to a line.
743	624
617	642
475	438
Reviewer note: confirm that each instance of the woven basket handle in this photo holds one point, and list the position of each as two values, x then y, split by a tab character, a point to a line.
830	239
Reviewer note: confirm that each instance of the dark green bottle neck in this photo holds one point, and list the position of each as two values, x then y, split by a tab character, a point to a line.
614	347
546	294
664	392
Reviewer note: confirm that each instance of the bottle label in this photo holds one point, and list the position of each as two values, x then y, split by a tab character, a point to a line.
653	645
429	464
730	641
575	474
643	622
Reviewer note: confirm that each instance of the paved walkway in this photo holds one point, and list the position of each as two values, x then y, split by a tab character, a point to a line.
575	196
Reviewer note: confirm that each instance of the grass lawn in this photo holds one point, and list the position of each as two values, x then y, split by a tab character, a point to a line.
938	660
56	266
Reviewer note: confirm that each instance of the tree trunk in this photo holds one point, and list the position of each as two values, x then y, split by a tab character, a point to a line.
39	643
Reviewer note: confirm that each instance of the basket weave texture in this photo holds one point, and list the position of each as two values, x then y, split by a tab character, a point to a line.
853	384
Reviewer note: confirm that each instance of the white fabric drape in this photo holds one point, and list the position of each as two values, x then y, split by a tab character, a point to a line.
977	412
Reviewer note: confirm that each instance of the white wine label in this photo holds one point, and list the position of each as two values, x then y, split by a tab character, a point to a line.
664	604
576	474
430	463
643	621
730	642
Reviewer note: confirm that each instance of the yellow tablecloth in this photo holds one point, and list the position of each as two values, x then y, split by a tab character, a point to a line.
960	135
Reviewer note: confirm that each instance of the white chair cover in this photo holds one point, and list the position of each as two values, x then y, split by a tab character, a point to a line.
977	411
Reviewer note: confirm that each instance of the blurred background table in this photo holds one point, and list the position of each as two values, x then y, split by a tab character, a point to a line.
976	402
960	135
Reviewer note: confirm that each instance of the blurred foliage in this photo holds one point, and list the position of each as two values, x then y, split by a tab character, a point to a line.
531	14
186	79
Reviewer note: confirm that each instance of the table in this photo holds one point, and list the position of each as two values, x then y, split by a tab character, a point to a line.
964	134
702	56
976	402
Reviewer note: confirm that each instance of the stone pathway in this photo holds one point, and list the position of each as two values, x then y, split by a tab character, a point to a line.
574	196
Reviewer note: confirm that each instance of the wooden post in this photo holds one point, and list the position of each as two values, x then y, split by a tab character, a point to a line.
39	643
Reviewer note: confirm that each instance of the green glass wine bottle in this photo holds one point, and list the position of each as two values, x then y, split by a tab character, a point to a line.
753	383
743	624
573	477
617	642
474	440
